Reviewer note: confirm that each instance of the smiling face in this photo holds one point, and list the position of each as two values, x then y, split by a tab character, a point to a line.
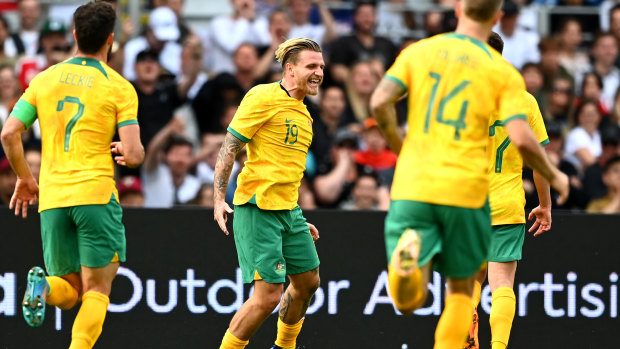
307	72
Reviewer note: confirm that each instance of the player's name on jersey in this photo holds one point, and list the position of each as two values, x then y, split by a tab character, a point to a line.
76	80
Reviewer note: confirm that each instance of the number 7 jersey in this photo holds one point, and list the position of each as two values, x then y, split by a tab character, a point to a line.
506	194
455	83
79	103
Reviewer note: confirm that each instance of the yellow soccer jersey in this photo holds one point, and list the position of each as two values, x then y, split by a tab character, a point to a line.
454	84
506	195
79	103
278	130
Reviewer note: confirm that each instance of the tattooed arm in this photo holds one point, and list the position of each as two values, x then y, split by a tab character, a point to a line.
382	103
225	161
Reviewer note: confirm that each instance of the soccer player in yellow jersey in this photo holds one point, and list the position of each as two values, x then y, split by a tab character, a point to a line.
272	236
439	217
507	200
80	104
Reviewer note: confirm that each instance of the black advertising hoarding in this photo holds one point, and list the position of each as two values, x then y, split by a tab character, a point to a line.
180	287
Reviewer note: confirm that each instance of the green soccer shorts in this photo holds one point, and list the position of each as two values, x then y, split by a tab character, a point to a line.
455	239
86	235
272	244
506	242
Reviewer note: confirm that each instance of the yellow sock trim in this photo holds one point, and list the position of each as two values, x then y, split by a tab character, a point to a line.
503	309
61	293
454	322
89	320
477	293
287	334
405	291
231	342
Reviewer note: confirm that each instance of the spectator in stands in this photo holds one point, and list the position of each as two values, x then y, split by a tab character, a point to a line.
614	115
533	77
9	91
360	84
520	44
367	194
7	181
26	40
4	38
130	192
555	152
376	155
160	36
157	100
614	25
33	158
177	7
593	175
214	100
583	143
331	117
550	62
363	45
227	33
279	29
394	20
575	61
207	156
558	102
611	202
303	28
165	172
604	53
245	59
205	196
334	180
592	89
54	48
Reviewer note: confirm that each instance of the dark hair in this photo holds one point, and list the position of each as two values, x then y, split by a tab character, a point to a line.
530	65
567	21
496	42
581	107
615	8
602	35
599	80
177	141
94	22
614	160
359	3
5	23
549	43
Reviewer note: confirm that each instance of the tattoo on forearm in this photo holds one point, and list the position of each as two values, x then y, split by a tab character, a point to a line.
286	302
224	164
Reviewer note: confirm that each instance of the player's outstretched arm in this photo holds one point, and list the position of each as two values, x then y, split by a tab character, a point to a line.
542	212
223	167
382	103
534	156
26	188
129	151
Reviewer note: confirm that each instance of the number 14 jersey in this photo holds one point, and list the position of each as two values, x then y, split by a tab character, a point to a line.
455	83
79	103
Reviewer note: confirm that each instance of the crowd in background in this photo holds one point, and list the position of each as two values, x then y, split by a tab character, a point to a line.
190	82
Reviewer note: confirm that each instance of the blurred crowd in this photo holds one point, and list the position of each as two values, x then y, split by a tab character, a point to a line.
190	82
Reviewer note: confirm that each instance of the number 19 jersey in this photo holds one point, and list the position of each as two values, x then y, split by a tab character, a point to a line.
79	103
455	83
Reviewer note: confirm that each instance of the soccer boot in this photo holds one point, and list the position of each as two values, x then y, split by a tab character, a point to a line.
33	305
472	340
277	347
405	257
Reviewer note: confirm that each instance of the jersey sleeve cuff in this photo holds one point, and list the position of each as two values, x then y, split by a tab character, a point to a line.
24	112
545	142
397	80
127	122
514	117
238	135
